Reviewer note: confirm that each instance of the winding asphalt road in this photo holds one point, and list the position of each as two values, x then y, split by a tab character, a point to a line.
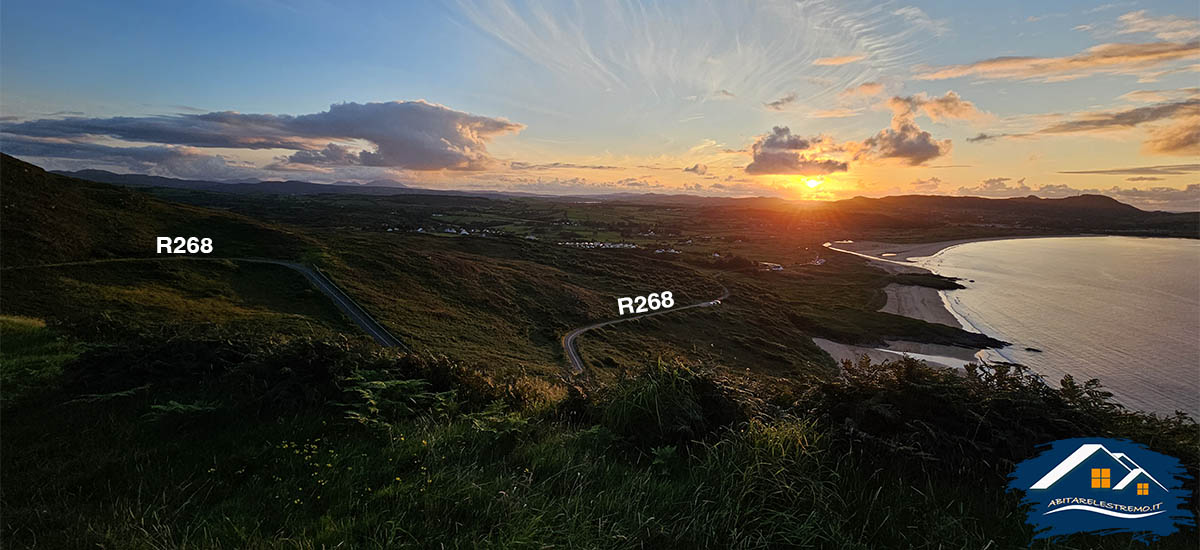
568	339
318	279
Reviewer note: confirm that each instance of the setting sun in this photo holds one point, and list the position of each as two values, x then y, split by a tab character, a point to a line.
812	183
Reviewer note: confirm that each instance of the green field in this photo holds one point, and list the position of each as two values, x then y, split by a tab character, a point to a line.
218	403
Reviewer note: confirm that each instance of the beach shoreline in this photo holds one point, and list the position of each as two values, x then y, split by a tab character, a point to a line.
916	302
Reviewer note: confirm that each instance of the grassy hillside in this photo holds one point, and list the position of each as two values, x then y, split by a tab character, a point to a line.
51	218
217	404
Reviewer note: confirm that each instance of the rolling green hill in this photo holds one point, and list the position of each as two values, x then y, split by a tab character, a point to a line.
50	218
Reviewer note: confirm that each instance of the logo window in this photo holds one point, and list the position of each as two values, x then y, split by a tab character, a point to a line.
1101	478
1143	488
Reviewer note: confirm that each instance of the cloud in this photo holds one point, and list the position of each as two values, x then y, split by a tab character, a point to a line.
781	103
723	94
1171	27
838	60
1144	178
1154	198
516	165
905	140
919	18
1160	96
986	137
183	162
949	106
332	154
1158	170
1179	136
781	152
699	169
1103	58
1101	121
569	186
835	113
866	89
414	135
927	184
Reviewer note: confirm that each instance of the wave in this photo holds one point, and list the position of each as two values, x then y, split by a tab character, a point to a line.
1106	512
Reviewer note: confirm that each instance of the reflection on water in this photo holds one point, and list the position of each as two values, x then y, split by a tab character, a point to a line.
1122	309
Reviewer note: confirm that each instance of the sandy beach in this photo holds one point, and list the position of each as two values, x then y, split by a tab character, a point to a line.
917	302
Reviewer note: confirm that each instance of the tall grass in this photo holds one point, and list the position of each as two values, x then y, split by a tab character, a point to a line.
379	450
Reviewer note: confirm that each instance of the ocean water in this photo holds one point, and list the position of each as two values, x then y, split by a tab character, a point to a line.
1125	310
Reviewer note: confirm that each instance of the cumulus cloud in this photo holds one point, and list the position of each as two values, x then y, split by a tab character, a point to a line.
781	103
698	168
1104	58
838	60
905	140
781	152
1171	27
414	135
949	106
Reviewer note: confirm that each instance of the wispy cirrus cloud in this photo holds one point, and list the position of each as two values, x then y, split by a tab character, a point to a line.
517	165
624	48
1156	170
1160	96
1169	27
838	60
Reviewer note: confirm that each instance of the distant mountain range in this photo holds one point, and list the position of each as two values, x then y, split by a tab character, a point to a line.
1080	207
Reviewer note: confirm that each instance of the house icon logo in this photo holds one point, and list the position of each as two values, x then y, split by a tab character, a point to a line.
1102	486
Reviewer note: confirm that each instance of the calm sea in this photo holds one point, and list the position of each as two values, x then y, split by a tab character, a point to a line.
1124	310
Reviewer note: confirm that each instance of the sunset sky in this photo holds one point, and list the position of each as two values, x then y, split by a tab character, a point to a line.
802	100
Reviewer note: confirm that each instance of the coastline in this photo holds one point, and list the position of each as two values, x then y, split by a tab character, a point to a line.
917	302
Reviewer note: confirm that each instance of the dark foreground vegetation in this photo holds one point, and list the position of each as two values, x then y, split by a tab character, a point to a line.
215	442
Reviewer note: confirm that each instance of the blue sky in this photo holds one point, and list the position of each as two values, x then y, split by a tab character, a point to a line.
636	91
